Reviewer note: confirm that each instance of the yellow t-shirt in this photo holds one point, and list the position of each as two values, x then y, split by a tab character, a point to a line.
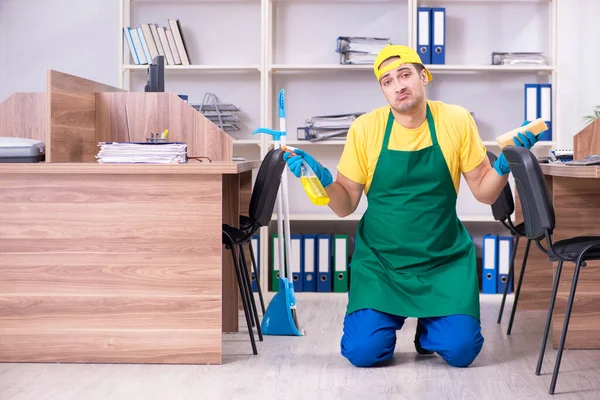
457	135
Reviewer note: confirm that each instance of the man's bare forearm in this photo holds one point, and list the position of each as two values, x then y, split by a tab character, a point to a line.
340	201
490	186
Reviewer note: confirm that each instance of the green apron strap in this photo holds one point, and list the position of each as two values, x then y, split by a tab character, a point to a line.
431	123
388	130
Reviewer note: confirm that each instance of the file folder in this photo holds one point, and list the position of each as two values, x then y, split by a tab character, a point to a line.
424	34
545	113
275	263
324	263
309	276
489	275
538	104
297	261
504	256
531	102
256	248
340	260
438	35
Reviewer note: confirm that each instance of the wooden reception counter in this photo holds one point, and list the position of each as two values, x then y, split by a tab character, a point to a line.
118	263
575	192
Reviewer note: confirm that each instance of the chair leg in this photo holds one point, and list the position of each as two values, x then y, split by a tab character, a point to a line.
244	300
549	319
247	291
255	268
511	274
246	275
518	291
563	336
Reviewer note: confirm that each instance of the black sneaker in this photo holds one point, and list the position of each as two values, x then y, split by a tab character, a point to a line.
418	347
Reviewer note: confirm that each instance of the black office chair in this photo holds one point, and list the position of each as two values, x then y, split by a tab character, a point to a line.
502	209
538	214
262	203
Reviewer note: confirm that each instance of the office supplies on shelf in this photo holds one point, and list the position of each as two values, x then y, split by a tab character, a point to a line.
323	127
504	253
297	262
324	283
545	108
538	104
536	127
490	262
310	182
220	114
438	35
150	41
518	58
593	159
359	49
309	278
21	150
275	263
142	153
424	34
340	263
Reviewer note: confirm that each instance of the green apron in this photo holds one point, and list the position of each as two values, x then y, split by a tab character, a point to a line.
413	257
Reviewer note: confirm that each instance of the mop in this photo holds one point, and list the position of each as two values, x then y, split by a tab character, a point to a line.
280	317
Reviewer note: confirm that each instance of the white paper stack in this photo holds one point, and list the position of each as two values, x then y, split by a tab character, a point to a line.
143	153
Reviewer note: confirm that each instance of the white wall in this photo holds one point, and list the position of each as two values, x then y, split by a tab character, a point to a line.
75	37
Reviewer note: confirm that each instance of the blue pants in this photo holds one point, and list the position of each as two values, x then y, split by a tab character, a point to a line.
370	337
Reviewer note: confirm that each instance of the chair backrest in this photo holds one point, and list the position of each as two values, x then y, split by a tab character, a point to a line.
504	206
534	196
266	186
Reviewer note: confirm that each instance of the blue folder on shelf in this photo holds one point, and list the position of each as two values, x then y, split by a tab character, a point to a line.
438	35
324	283
309	276
424	34
490	261
297	261
504	253
538	104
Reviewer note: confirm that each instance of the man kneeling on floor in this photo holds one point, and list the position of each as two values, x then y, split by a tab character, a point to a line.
413	257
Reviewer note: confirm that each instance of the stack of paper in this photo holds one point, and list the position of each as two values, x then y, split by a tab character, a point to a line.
327	127
143	153
359	50
523	58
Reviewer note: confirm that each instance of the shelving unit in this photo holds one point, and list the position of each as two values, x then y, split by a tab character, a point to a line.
290	44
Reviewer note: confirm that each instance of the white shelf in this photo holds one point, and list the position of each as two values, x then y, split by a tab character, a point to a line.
357	216
487	143
492	143
212	68
431	67
246	142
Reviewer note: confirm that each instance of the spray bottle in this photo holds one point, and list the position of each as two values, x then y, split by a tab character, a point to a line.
310	182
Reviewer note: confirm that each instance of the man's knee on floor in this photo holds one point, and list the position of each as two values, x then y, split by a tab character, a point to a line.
366	352
463	351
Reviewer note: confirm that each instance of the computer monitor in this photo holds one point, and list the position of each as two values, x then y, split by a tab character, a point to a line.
156	75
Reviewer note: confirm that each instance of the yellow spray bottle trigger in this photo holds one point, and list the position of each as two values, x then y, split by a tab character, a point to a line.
310	182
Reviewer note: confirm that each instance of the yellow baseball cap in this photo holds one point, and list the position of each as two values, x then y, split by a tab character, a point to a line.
406	54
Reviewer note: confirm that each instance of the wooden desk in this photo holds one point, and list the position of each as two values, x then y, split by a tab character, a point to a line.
118	263
575	192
